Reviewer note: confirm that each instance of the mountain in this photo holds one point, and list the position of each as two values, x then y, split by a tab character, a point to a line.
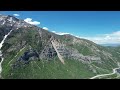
30	52
111	45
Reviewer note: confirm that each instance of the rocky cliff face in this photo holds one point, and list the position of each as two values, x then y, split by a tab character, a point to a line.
28	44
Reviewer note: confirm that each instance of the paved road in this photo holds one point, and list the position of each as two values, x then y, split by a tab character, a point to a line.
101	75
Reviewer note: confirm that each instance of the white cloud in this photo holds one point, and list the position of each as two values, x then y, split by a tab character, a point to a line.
29	20
45	28
115	33
53	31
60	33
112	38
16	14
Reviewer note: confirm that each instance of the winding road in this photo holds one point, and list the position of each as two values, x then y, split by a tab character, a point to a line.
101	75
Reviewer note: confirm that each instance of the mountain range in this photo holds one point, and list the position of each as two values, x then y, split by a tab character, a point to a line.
31	52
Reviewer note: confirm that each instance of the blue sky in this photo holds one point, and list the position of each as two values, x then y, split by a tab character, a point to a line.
98	26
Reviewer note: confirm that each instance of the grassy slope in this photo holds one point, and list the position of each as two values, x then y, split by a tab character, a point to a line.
51	70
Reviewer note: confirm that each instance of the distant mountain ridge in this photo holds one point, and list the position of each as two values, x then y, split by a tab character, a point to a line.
113	45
